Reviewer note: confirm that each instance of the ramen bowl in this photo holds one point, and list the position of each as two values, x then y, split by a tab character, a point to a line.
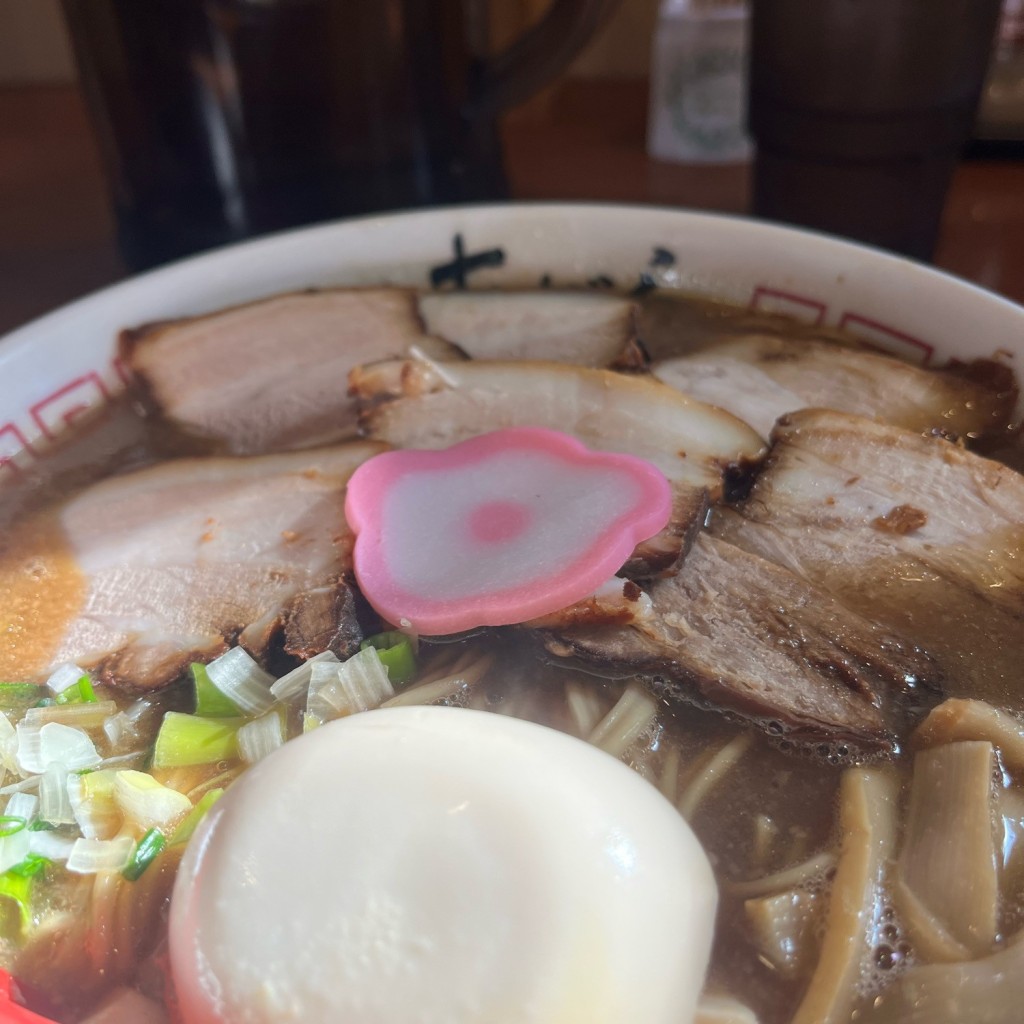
56	371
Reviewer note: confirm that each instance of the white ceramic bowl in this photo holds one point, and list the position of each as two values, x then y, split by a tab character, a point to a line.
54	369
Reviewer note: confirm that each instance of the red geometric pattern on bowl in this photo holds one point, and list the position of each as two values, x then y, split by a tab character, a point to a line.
12	444
903	344
53	414
786	303
58	410
813	311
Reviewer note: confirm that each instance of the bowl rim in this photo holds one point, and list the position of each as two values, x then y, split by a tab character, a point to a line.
213	258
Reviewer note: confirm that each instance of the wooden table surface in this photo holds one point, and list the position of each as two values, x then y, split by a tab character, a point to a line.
581	140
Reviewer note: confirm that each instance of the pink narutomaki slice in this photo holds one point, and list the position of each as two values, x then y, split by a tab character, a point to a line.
498	529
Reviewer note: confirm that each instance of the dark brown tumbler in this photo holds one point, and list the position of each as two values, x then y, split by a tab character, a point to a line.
222	119
860	108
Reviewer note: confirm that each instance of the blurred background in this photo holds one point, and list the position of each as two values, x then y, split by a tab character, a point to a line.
649	107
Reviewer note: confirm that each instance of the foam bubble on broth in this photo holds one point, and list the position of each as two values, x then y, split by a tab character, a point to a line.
839	754
891	953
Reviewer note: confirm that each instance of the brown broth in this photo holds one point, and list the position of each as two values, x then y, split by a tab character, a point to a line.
793	790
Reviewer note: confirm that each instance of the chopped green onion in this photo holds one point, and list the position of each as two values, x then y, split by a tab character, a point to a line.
81	715
65	676
31	866
123	726
51	845
146	803
41	746
22	805
210	702
14	845
355	685
92	801
183	833
16	888
54	803
237	675
11	824
45	702
396	655
296	683
18	695
144	854
14	849
81	692
261	736
95	856
41	826
189	739
16	892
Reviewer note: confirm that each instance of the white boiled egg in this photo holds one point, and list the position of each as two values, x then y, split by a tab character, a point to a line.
441	866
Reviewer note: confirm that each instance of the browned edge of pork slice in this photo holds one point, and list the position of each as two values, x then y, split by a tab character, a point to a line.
273	374
411	404
327	618
761	377
618	602
749	637
583	328
143	573
661	554
915	532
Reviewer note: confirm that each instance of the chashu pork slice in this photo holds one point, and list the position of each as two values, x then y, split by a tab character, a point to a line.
760	378
139	575
585	328
693	444
737	632
912	530
272	375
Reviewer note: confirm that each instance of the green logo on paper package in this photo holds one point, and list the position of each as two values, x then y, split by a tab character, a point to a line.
705	99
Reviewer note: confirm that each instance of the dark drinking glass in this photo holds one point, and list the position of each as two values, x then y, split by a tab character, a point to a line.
222	119
860	108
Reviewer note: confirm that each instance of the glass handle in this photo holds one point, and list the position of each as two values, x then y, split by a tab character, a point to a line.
537	56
